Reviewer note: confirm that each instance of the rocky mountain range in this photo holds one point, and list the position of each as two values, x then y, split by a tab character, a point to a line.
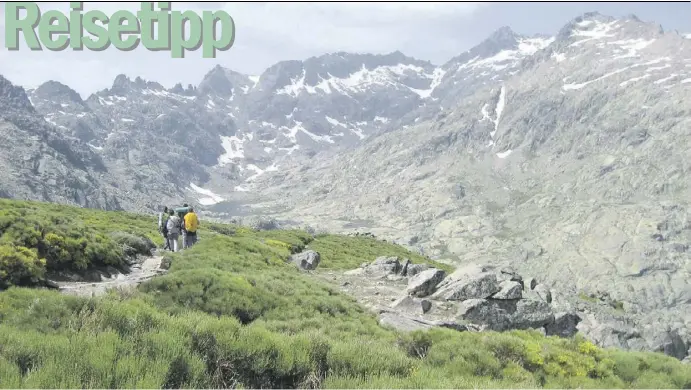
565	157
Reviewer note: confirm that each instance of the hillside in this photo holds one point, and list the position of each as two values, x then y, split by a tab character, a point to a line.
572	171
231	312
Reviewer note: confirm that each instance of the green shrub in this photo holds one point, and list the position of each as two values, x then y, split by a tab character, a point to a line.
227	230
141	245
19	266
279	244
68	238
211	291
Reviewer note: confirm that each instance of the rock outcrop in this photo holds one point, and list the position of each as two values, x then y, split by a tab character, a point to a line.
483	298
307	260
479	297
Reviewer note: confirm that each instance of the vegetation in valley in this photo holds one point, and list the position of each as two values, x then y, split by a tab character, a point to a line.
231	312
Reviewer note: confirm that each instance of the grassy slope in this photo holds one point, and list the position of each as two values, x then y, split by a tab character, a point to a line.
36	238
231	313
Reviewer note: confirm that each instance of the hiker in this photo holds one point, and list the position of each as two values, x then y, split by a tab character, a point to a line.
181	213
160	217
163	226
191	223
173	230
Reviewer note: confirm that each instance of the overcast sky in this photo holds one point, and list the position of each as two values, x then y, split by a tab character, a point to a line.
270	32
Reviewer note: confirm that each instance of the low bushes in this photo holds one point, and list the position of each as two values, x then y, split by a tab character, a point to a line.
19	266
232	313
38	238
53	341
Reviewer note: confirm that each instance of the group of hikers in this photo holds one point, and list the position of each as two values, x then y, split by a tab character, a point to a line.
173	223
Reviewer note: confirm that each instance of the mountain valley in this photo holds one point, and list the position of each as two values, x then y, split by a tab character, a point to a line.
565	157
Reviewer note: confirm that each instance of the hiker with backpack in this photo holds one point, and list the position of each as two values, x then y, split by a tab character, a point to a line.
174	226
163	228
181	212
190	224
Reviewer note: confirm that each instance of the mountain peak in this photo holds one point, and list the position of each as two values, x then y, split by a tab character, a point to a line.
180	90
123	84
591	20
222	81
504	38
13	97
121	81
503	34
55	90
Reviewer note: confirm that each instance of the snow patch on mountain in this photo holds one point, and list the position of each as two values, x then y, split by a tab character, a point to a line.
509	57
436	77
358	81
234	149
593	30
668	78
633	80
530	46
559	57
335	122
500	108
258	171
573	86
632	46
209	199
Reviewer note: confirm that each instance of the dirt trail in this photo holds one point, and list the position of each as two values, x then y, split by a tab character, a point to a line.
378	293
141	272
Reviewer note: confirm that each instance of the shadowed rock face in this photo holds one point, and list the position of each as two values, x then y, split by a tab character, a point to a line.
39	162
564	157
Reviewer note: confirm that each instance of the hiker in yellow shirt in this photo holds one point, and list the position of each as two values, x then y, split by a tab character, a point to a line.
191	223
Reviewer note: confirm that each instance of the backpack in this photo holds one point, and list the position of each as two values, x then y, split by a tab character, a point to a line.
181	211
164	223
174	224
192	221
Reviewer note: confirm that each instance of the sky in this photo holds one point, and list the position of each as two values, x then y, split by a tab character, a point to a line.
269	32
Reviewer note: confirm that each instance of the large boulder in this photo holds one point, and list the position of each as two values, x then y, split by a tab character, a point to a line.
611	332
565	325
414	269
472	286
410	305
666	341
307	260
509	289
501	315
424	283
383	266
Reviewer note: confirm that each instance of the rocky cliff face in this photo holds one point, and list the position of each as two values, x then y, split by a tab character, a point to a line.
565	157
40	160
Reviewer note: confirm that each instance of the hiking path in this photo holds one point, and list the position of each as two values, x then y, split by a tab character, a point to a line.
140	272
